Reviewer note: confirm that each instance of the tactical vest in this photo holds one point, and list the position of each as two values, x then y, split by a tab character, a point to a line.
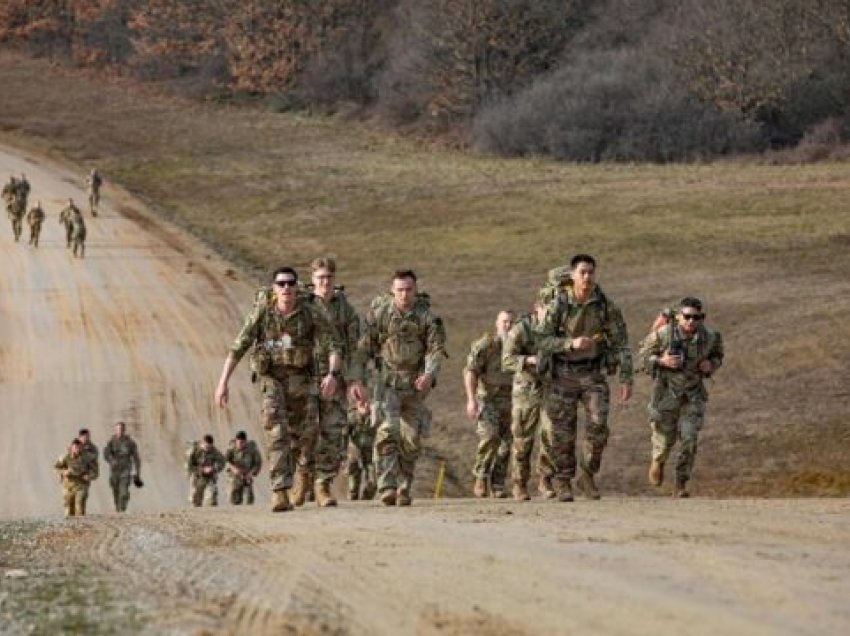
280	345
402	338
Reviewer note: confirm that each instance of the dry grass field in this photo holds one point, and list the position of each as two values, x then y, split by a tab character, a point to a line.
767	247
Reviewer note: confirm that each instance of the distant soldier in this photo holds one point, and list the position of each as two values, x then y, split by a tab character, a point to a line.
203	464
125	465
15	205
680	355
24	190
362	479
10	194
93	183
285	332
66	219
407	342
78	234
76	472
488	402
243	465
35	218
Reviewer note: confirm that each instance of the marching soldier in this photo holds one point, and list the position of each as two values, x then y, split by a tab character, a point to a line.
35	218
362	480
203	464
76	471
125	465
243	465
93	183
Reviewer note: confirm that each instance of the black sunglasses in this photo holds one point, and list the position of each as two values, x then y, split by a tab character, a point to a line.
692	316
287	282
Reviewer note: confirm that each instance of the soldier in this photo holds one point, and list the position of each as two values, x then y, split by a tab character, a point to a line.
362	480
203	464
10	194
680	355
407	342
520	355
13	194
23	192
76	472
122	455
285	332
35	217
587	336
78	234
93	183
243	465
330	451
66	219
488	401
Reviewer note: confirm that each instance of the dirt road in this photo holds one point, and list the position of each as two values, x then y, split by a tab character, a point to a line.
137	331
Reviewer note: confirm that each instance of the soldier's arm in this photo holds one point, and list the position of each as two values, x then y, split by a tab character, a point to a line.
650	351
327	338
474	368
108	452
618	339
715	354
435	347
515	350
366	348
94	468
248	333
137	459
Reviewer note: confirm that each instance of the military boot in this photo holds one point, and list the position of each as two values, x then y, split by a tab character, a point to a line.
324	498
479	489
403	498
681	491
369	490
280	501
656	473
498	491
520	492
564	491
587	484
544	487
353	495
301	486
388	497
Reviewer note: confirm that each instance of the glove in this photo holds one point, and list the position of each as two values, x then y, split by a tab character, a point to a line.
137	482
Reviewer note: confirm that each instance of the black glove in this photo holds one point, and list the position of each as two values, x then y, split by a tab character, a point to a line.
137	482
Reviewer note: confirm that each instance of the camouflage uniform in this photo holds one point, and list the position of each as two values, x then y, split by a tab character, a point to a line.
66	219
330	450
35	217
282	363
579	377
75	485
526	395
200	481
93	183
677	404
249	463
494	420
15	194
122	455
78	234
361	446
403	344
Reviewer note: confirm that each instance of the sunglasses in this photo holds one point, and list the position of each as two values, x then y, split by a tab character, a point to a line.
692	316
287	282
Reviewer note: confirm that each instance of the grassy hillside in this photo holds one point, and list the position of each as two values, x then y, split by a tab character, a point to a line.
767	247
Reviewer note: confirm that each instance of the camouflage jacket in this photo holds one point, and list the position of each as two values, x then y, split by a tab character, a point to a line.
599	319
705	344
485	362
403	344
79	225
80	468
289	341
198	459
247	459
67	214
520	343
342	316
122	454
90	450
35	216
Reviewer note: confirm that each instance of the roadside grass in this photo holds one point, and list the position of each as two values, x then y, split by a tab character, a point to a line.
767	247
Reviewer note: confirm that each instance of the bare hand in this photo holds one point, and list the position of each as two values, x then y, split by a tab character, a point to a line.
706	367
670	361
357	392
472	409
329	386
423	383
222	394
625	392
363	407
582	343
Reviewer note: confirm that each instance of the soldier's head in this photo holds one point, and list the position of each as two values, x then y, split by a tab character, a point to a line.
404	289
285	283
75	448
323	273
84	436
690	314
120	429
504	322
208	442
241	440
582	272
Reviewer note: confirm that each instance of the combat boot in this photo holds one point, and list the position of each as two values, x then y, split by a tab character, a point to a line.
299	489
280	501
564	491
353	495
656	473
388	497
520	492
369	490
681	491
587	484
479	489
544	487
324	498
403	498
499	492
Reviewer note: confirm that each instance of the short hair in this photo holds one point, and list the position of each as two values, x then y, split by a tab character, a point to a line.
582	258
83	431
284	270
404	273
241	435
76	442
323	263
208	439
691	301
121	424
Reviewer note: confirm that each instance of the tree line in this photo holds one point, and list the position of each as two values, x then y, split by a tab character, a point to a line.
579	80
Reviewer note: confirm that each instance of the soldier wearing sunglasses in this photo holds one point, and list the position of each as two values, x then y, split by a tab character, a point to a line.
679	355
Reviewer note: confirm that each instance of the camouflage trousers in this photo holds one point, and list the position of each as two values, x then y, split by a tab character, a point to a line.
241	489
288	417
75	494
330	450
78	245
678	418
361	467
199	485
525	422
119	482
94	199
17	226
69	233
559	421
494	440
35	232
401	417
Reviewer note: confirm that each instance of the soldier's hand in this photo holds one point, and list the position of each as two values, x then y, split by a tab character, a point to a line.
670	361
472	409
625	392
329	386
357	392
706	367
582	343
423	383
221	395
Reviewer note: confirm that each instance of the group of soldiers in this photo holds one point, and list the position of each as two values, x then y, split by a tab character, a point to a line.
16	195
204	462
